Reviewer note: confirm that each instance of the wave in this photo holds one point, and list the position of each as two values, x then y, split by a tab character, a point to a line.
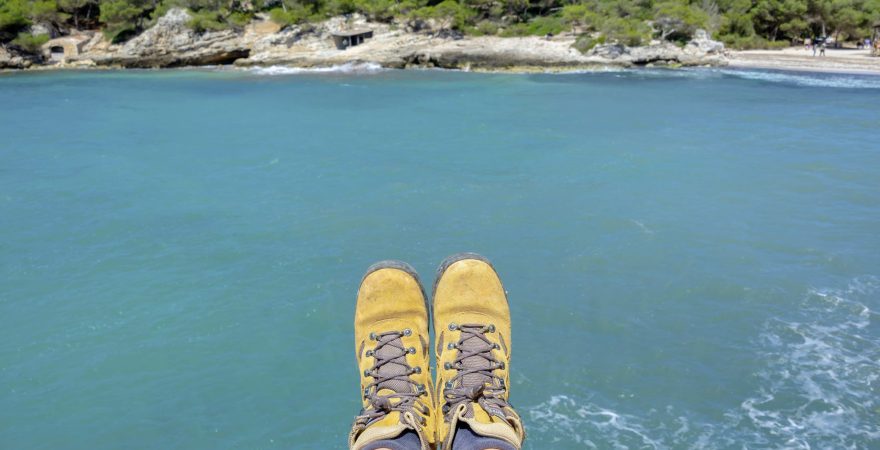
819	389
804	79
347	68
807	79
818	384
588	425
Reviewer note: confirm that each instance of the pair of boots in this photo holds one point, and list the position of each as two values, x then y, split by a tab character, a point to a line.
467	409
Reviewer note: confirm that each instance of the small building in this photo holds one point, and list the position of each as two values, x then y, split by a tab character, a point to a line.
59	49
345	39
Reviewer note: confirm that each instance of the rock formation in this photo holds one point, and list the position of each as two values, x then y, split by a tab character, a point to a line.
172	43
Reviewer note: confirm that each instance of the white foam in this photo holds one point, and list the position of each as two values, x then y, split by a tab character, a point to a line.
818	389
808	79
341	68
588	424
819	386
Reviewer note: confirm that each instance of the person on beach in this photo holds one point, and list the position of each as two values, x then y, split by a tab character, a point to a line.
815	43
468	408
822	49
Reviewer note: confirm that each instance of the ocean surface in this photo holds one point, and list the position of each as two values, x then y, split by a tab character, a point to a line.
692	257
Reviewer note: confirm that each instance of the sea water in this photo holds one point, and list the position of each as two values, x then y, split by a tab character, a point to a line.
692	257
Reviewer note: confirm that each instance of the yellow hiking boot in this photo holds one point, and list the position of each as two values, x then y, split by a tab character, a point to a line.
472	327
391	341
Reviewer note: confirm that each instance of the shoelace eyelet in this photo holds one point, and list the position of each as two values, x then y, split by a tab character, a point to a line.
407	332
453	326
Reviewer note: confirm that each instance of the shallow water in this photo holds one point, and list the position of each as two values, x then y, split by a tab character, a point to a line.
692	257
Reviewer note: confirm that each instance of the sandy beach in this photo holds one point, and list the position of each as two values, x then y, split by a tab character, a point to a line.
801	59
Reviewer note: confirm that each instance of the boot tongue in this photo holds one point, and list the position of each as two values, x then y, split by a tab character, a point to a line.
396	366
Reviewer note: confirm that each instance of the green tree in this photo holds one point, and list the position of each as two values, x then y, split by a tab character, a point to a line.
120	18
76	8
13	15
30	43
678	21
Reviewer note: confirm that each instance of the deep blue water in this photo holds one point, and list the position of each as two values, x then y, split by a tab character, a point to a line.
692	257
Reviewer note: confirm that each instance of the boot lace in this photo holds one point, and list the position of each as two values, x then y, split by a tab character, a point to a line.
390	371
475	380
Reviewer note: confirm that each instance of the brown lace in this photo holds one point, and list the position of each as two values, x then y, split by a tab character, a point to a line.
475	380
391	371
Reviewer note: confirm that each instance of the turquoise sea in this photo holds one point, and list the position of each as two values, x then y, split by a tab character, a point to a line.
692	257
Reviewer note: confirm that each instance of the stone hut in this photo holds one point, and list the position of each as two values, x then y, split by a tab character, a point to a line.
345	39
62	48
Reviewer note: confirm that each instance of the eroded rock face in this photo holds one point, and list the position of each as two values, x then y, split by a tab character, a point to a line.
172	43
699	51
702	43
609	51
11	61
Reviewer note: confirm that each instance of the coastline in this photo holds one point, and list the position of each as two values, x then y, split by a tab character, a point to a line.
263	44
172	43
798	59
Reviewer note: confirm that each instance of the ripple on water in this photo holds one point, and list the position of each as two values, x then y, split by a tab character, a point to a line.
818	389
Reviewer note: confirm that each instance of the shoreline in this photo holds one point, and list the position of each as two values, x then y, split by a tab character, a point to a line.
360	67
262	44
797	59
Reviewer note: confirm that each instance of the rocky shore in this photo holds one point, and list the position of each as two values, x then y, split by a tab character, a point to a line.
172	43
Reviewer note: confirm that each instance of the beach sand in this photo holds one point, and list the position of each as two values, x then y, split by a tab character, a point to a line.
799	58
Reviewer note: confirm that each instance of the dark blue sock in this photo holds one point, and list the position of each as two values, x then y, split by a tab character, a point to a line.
465	439
406	441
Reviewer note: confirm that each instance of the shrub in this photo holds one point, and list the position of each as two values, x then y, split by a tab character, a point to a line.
239	20
751	42
30	43
13	14
581	15
630	32
678	21
483	28
585	43
379	10
202	21
120	19
292	16
539	26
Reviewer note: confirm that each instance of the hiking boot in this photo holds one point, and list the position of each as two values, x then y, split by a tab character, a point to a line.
472	327
391	341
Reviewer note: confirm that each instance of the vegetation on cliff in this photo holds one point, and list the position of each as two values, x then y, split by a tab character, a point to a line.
739	23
